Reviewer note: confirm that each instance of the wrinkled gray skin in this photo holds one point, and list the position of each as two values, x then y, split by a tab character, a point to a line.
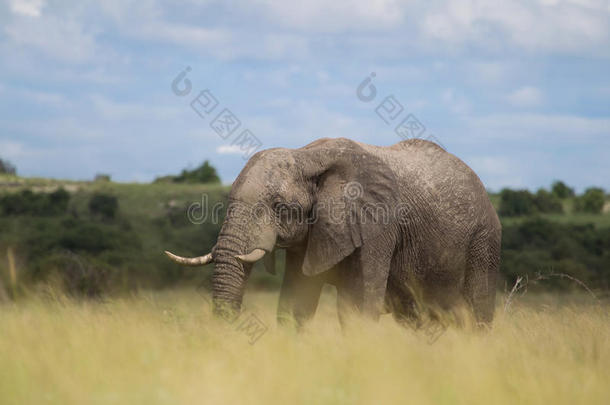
441	250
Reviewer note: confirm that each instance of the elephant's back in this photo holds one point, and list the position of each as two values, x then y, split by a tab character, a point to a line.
416	143
451	189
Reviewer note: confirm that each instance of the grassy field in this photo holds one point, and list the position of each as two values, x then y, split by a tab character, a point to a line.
166	348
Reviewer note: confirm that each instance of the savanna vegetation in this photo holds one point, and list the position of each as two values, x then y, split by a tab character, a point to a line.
91	311
206	173
165	347
102	236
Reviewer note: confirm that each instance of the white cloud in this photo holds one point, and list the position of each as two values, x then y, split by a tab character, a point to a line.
274	30
229	150
38	97
456	103
491	72
30	8
497	171
335	16
11	149
179	34
562	26
525	97
58	129
492	164
530	126
118	111
60	38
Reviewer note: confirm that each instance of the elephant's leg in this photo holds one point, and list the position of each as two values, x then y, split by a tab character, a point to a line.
481	272
401	302
376	270
349	291
299	294
364	279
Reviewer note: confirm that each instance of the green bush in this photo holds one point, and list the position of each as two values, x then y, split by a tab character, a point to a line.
592	201
204	174
7	167
538	245
561	190
516	203
27	202
103	206
102	178
57	202
548	202
89	257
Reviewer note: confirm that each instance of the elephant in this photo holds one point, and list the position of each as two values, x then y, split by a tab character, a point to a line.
391	227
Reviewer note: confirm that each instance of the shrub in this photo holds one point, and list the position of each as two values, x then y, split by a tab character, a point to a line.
104	206
57	202
516	203
561	190
27	202
16	204
102	178
86	237
82	276
538	245
7	167
592	201
547	202
90	257
206	173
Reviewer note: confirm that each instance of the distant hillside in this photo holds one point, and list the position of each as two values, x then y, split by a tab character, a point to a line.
127	249
105	236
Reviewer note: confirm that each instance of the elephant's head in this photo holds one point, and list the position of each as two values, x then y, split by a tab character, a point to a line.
326	196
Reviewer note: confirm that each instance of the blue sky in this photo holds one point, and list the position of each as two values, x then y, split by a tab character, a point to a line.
519	90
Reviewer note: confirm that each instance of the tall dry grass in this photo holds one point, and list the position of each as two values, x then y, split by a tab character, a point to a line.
166	348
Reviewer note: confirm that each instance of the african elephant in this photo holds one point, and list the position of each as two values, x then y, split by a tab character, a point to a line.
388	226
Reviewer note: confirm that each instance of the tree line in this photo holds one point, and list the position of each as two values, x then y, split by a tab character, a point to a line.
96	241
524	203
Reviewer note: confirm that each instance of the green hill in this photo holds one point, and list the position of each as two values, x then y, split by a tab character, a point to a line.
127	249
104	236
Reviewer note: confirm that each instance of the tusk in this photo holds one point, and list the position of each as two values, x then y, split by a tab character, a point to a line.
195	261
253	256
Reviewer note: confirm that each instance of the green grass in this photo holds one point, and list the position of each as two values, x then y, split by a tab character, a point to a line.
136	199
599	220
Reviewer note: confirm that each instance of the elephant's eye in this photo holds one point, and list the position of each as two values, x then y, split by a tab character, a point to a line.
277	205
288	211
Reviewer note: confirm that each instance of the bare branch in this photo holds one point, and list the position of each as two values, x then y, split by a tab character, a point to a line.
520	284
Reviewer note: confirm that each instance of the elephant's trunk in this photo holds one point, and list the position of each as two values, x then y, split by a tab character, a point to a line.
244	238
230	274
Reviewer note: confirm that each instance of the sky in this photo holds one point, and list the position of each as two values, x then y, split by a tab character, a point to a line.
519	90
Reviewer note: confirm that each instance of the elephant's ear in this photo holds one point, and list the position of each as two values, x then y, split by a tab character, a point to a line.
356	200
